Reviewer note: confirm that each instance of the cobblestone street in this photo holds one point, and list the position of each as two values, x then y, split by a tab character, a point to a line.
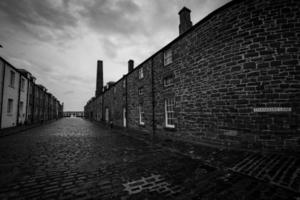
76	159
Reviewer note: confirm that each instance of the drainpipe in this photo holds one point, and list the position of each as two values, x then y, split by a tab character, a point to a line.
19	94
2	90
27	102
153	99
126	102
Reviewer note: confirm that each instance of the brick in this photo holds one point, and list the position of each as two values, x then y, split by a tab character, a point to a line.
251	65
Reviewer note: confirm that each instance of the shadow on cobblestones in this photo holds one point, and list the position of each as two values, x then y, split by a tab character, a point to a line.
76	159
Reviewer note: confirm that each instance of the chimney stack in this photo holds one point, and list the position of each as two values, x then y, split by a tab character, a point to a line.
185	22
99	84
130	65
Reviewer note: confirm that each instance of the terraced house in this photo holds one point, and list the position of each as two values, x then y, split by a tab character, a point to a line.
22	101
231	79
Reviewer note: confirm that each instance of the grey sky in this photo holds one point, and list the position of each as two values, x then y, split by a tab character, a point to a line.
60	41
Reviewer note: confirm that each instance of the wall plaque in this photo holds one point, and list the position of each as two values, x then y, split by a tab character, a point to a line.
272	109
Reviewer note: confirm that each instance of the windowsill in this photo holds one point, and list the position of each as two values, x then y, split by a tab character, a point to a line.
167	86
165	65
11	86
142	124
9	114
170	128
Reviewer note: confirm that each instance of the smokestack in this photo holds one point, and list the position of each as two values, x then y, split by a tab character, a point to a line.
185	22
130	65
99	84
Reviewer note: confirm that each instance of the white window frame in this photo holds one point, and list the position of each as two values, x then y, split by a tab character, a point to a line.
141	115
12	79
10	106
168	57
169	112
141	73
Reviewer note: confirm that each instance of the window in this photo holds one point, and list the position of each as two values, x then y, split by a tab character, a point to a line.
169	112
124	83
168	81
115	90
168	57
12	78
141	90
141	115
141	73
9	106
22	84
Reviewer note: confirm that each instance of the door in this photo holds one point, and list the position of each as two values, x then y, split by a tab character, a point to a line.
124	117
106	115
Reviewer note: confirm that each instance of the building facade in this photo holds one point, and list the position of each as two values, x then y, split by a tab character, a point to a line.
231	79
22	101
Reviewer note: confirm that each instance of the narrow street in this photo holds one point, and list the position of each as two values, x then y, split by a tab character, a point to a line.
76	159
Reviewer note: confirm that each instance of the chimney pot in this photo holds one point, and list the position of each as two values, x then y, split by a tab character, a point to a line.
185	22
130	65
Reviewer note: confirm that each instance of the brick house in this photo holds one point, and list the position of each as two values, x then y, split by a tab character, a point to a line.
231	79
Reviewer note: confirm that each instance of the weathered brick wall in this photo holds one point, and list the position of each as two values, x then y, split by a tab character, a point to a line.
134	99
240	58
119	102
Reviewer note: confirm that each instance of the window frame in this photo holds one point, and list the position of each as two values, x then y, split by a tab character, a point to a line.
168	57
171	81
124	83
170	112
12	79
22	84
10	106
140	91
141	73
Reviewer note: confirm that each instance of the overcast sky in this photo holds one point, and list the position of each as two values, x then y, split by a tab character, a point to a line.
60	41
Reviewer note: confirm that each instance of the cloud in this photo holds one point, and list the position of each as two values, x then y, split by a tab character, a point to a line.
43	19
69	92
112	16
59	41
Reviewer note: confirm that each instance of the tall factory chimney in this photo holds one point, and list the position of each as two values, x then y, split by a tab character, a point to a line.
99	84
185	22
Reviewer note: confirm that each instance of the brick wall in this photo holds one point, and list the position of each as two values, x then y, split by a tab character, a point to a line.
243	56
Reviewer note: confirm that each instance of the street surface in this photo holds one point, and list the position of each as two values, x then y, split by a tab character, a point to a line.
76	159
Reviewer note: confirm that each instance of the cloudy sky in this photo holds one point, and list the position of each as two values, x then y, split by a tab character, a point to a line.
60	41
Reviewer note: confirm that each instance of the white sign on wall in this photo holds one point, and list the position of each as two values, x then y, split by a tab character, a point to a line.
272	109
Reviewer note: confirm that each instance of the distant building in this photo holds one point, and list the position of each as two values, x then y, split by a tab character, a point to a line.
73	114
22	101
231	79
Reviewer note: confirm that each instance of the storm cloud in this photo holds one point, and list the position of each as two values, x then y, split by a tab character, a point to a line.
60	41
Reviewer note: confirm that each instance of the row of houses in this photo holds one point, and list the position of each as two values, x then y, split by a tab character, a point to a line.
230	79
22	101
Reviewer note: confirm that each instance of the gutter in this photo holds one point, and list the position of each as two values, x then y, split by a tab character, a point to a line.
153	99
2	90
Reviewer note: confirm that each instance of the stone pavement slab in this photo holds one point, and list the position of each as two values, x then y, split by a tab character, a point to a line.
76	159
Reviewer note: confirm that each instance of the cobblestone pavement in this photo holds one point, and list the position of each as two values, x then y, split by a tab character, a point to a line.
76	159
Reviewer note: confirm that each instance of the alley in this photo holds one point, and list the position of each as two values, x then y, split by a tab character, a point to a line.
76	159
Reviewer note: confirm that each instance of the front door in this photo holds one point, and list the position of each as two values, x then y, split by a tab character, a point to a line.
106	115
124	117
